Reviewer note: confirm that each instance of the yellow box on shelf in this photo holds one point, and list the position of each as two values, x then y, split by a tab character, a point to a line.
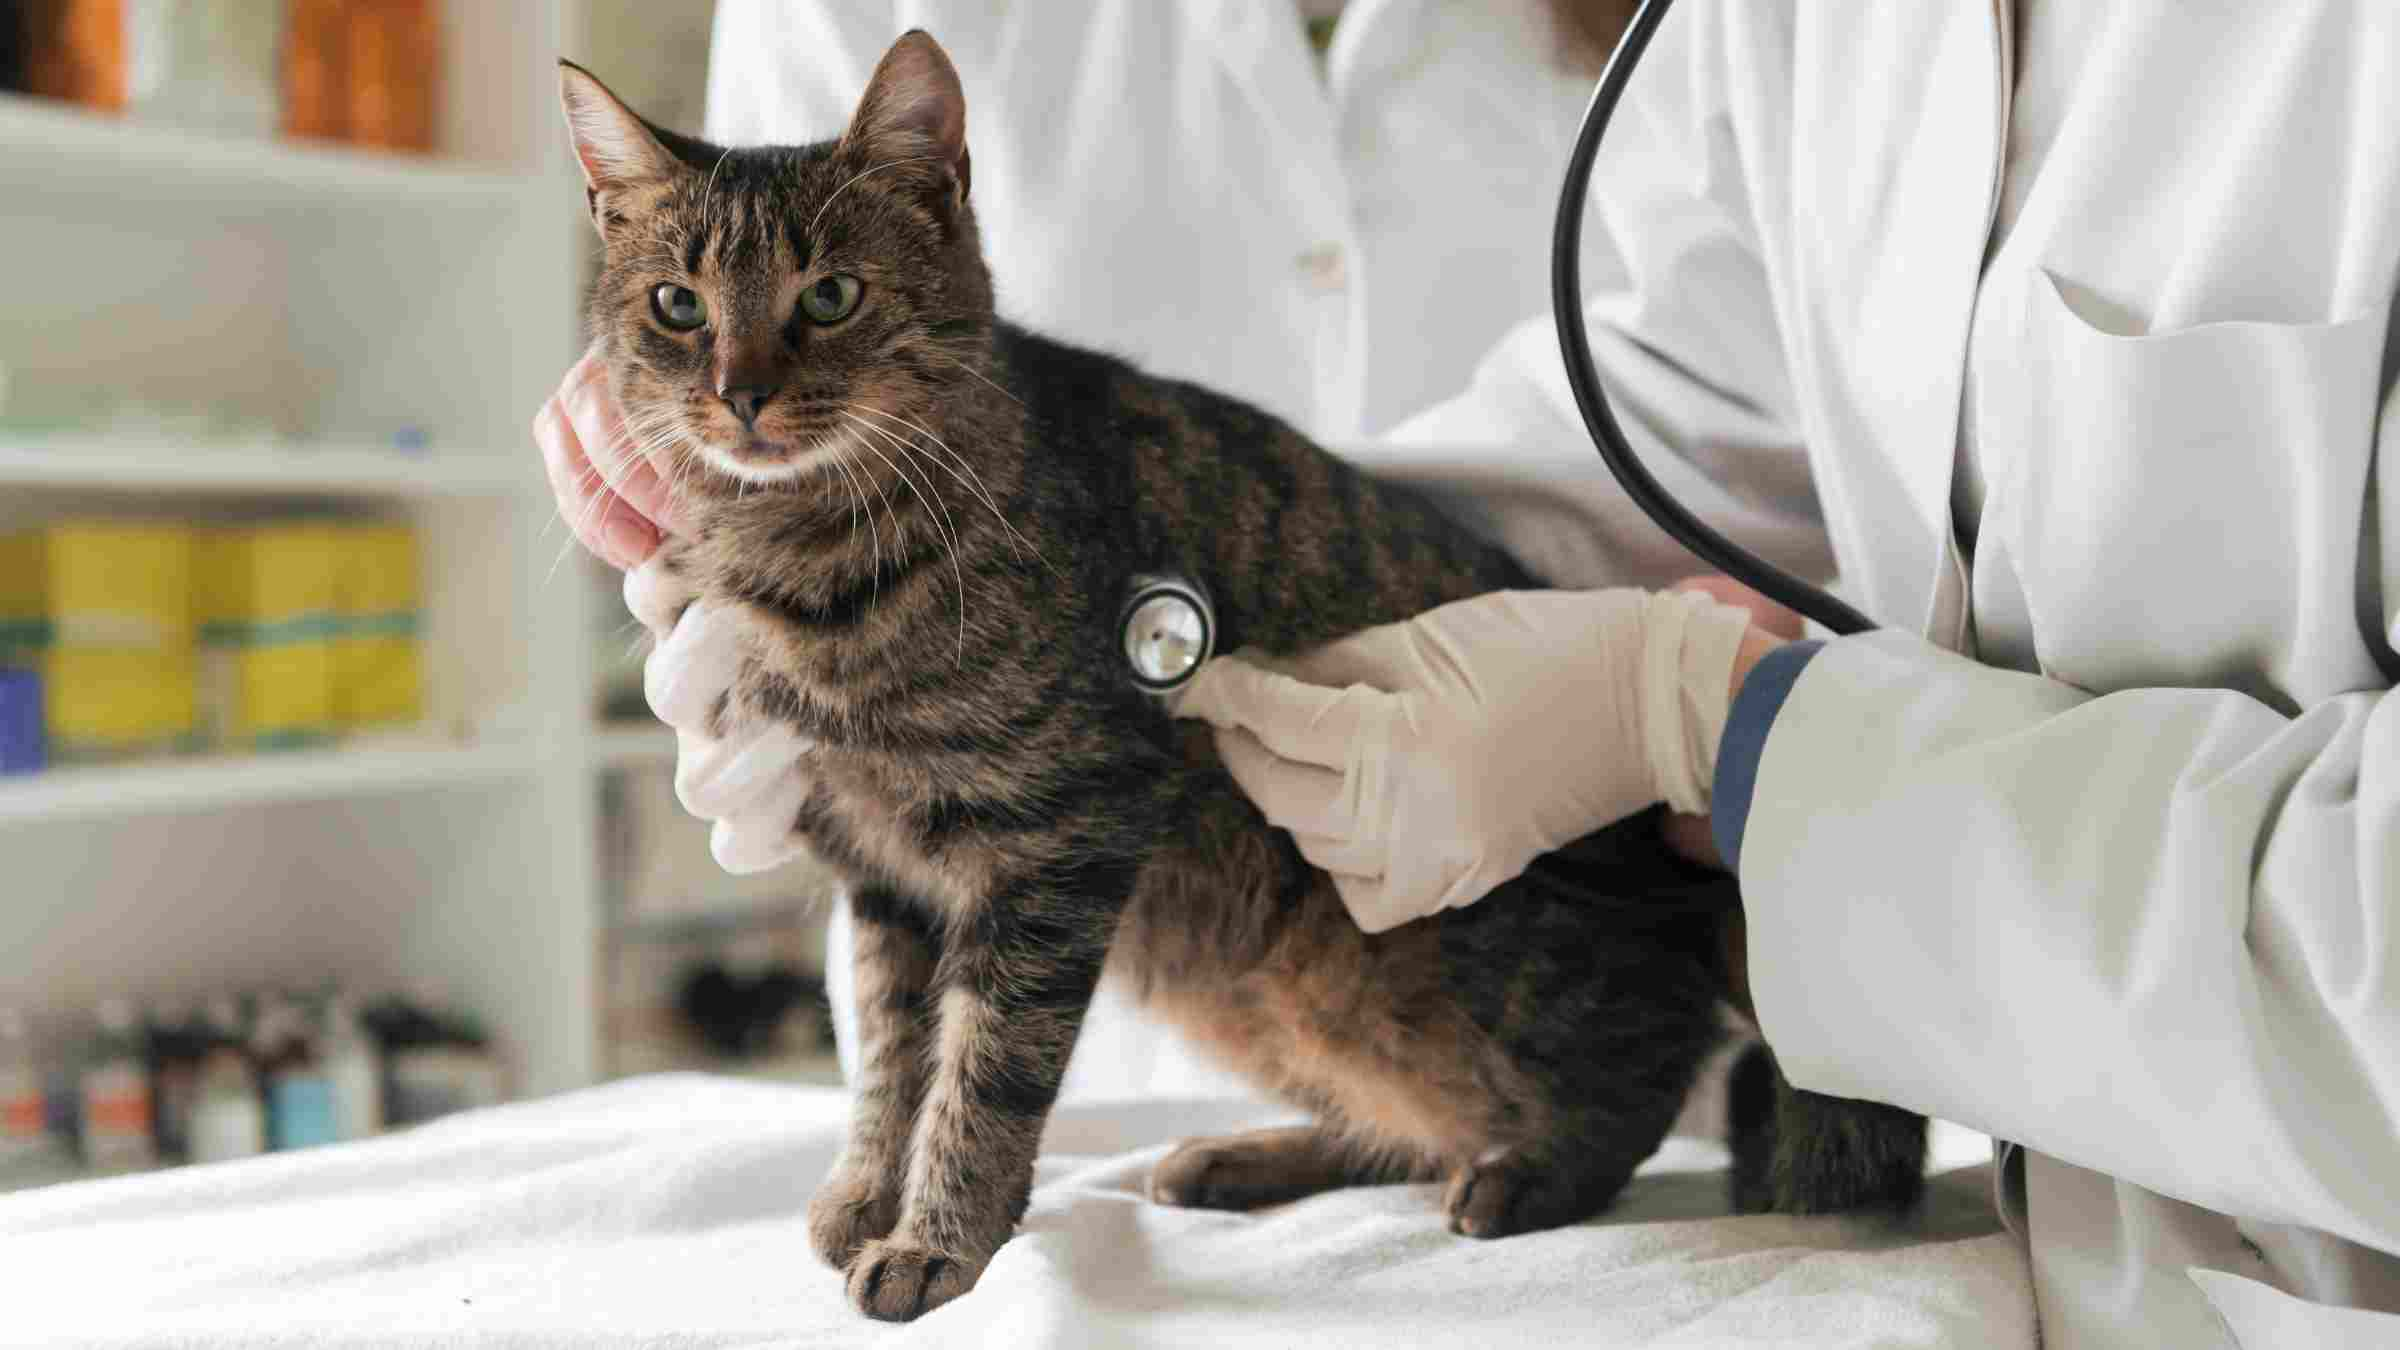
268	620
104	611
379	678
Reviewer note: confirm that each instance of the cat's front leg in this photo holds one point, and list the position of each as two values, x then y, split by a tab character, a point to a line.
894	952
1015	980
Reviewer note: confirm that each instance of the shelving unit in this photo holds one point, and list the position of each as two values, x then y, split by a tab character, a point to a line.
341	297
73	151
129	791
619	745
118	465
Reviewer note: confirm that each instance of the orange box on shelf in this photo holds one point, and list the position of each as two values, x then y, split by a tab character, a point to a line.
75	50
362	71
315	99
393	60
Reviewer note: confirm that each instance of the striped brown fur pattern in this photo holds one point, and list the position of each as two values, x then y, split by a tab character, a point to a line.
924	528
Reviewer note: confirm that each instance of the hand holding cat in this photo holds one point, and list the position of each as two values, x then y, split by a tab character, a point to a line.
747	777
614	500
1424	763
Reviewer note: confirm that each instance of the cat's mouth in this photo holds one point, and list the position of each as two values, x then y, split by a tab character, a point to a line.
763	460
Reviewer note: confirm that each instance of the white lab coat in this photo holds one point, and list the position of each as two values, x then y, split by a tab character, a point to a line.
2137	916
1181	185
2143	915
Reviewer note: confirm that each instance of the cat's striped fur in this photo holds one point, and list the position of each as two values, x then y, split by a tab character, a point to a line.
933	597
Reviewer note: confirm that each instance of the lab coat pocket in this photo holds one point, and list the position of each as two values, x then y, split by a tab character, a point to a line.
2182	508
2261	1317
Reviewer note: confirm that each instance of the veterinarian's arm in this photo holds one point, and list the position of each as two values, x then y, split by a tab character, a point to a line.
2155	934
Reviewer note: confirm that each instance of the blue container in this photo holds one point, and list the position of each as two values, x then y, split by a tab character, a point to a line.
21	722
300	1111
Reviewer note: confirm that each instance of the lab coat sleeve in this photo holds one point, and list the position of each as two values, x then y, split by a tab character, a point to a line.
2150	933
1669	254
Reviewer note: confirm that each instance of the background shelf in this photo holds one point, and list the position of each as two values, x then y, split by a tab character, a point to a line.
105	464
85	792
70	149
631	744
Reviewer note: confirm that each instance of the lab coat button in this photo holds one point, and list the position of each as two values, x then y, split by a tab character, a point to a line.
1323	268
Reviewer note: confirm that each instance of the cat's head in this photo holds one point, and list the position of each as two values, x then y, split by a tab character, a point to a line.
760	309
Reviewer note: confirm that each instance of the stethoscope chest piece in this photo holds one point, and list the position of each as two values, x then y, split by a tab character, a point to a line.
1167	629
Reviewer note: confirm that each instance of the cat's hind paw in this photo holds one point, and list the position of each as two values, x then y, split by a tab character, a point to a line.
1503	1193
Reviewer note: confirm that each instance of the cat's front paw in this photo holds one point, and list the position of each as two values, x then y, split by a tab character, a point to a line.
895	1280
853	1208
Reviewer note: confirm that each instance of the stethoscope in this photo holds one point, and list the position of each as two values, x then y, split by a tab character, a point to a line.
1167	627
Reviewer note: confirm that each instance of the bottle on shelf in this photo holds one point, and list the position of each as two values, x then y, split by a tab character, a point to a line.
25	1137
115	1088
229	1118
75	50
354	1070
300	1103
176	1041
437	1058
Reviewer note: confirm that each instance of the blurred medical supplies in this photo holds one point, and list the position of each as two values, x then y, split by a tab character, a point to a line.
378	667
74	50
705	970
229	1117
148	637
436	1060
266	600
104	613
355	1069
176	1045
737	1015
364	71
115	1093
25	1137
242	1075
21	748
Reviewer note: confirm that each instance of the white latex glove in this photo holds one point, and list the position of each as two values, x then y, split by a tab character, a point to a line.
1424	763
747	776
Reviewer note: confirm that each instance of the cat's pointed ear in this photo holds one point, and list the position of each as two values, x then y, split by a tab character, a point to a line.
914	109
617	149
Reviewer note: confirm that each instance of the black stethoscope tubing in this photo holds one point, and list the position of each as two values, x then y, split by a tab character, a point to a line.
1583	376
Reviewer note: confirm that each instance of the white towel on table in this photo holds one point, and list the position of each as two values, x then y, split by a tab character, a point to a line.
668	1212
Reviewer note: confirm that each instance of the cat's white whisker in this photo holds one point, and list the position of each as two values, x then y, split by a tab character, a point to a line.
956	569
988	381
875	576
711	184
845	187
975	487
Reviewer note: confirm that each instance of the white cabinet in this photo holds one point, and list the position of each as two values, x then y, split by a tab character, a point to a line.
349	302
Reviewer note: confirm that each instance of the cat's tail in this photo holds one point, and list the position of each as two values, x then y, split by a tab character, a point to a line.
1798	1152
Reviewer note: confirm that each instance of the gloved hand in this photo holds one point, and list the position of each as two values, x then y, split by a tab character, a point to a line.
1424	763
746	776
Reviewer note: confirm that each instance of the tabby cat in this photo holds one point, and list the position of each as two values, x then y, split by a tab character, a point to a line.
923	517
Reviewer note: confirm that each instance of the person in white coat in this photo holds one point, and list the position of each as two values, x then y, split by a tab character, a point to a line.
2065	327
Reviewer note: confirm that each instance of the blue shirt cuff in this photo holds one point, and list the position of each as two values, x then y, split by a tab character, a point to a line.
1745	740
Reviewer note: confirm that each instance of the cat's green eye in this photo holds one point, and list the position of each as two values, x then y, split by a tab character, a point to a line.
831	299
678	307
